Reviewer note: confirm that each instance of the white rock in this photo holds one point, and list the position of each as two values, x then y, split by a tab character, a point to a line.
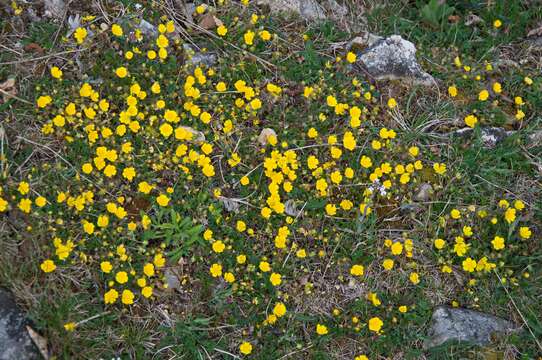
394	58
54	8
307	9
465	326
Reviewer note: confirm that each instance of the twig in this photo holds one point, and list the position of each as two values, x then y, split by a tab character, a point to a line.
15	97
295	352
42	57
227	353
91	318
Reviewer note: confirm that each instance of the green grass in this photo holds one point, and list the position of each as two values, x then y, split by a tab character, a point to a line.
207	317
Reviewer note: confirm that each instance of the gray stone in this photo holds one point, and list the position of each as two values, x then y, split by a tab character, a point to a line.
465	326
490	136
424	192
363	40
307	9
394	58
196	57
172	280
15	342
264	135
54	8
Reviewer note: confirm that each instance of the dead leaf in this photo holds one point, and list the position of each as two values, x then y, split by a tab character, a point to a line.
40	341
34	48
137	205
209	22
454	19
8	89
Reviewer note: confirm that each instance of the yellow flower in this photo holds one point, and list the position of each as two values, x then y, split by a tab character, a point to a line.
351	57
483	95
241	226
116	30
471	120
144	187
357	270
146	291
264	266
106	267
3	205
321	329
275	279
312	133
159	260
414	278
111	296
162	200
525	232
375	324
121	277
510	215
48	266
121	72
80	34
43	101
148	269
127	297
129	173
88	227
392	103
218	246
40	201
70	326
366	162
331	101
229	277
527	80
56	72
361	357
439	168
397	248
166	130
265	35
245	348
403	309
497	23
498	243
497	88
162	41
279	309
222	30
388	264
452	91
469	264
349	141
439	243
110	171
216	270
455	214
249	37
